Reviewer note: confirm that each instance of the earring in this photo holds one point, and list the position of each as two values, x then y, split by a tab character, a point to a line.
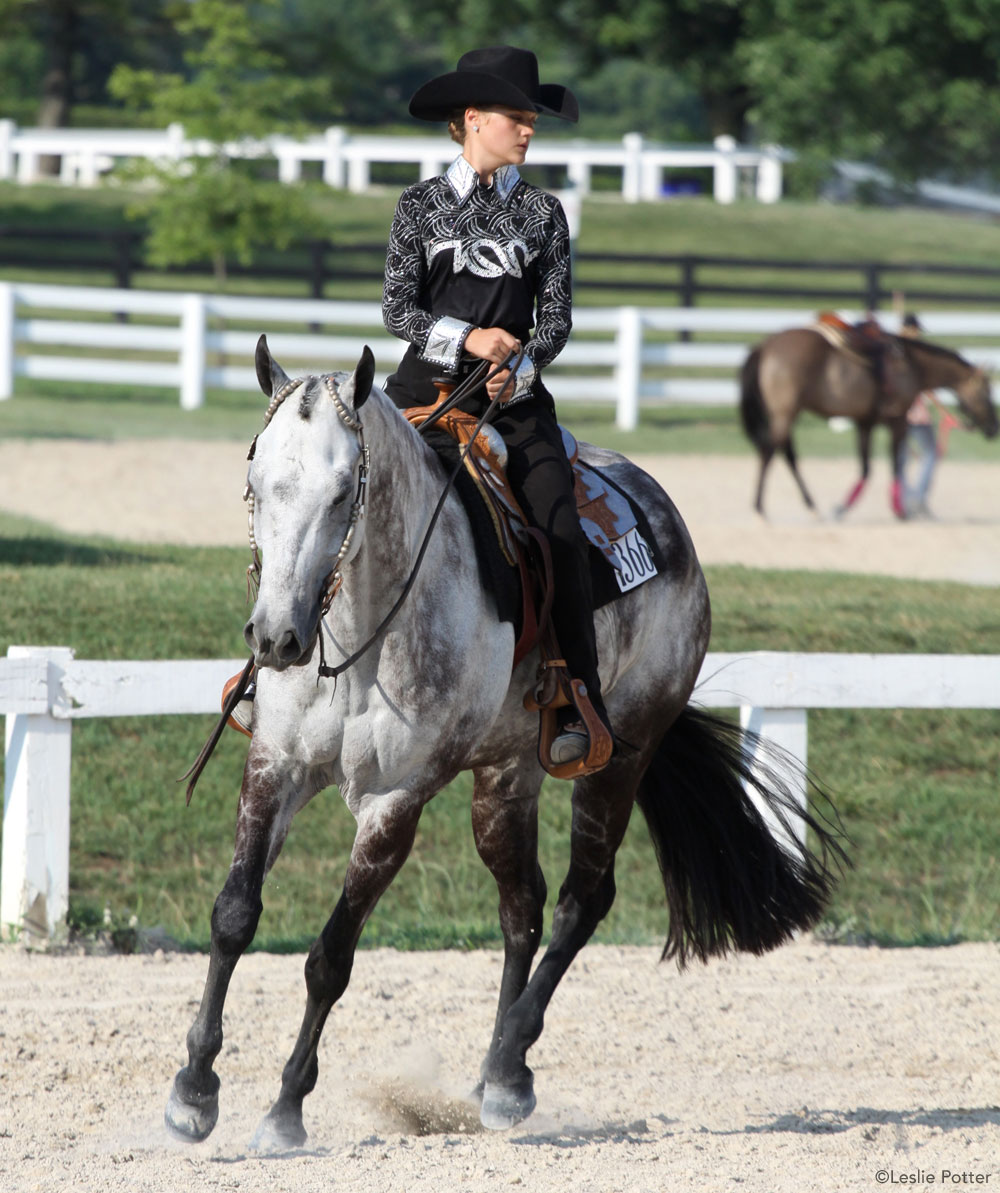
475	128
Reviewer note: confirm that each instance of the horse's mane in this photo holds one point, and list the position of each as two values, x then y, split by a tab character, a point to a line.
929	348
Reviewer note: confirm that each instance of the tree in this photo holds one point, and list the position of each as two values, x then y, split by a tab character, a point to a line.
56	53
909	86
219	205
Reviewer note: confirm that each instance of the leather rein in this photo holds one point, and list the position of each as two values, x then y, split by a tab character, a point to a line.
475	381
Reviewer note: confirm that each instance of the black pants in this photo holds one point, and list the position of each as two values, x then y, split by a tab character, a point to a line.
542	480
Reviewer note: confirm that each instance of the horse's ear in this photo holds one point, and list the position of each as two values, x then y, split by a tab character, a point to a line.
270	375
362	378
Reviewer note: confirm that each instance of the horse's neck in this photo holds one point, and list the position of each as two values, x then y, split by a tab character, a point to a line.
937	368
405	484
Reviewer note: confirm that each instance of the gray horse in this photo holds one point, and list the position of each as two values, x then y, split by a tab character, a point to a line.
434	695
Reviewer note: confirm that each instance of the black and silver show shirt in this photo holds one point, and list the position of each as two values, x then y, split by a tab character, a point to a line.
463	255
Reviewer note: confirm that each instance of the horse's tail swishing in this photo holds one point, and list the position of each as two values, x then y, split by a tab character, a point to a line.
752	409
731	885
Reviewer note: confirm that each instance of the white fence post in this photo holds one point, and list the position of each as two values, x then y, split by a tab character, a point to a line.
333	157
193	352
578	175
628	372
358	174
34	879
769	175
7	130
632	168
6	340
724	183
786	728
176	149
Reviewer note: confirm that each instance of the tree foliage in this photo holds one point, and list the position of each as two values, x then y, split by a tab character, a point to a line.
217	205
909	85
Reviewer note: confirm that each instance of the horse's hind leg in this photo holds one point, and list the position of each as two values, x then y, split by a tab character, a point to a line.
766	455
505	825
193	1106
793	464
602	804
386	829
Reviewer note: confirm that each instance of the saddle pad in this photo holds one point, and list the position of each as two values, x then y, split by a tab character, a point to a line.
609	522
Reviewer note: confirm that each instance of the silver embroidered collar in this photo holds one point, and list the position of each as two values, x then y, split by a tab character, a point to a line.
463	179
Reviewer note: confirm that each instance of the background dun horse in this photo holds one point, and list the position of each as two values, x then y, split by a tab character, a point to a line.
799	369
434	695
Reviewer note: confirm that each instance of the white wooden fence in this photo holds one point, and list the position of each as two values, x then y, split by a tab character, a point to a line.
44	689
621	355
346	160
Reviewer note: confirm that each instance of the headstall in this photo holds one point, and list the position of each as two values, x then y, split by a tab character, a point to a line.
335	577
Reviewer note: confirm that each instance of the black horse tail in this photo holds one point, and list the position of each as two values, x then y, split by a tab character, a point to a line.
731	883
752	409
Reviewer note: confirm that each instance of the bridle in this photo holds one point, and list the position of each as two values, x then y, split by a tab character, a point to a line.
335	577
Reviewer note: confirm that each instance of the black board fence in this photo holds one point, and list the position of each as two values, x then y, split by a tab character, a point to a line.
321	266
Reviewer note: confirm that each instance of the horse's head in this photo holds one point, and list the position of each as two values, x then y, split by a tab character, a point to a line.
975	399
305	487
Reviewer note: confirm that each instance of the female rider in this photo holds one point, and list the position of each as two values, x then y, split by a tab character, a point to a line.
478	266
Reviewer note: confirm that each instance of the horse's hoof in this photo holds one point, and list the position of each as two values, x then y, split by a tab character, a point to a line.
277	1134
191	1119
504	1106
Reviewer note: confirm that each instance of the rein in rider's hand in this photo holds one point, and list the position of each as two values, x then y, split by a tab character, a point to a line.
497	346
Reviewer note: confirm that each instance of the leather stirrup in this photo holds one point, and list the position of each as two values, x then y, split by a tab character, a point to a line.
554	690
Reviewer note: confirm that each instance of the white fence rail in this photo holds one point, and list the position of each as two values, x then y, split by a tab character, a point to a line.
346	160
44	689
627	356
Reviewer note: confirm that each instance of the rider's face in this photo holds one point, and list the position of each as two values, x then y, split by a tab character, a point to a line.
504	134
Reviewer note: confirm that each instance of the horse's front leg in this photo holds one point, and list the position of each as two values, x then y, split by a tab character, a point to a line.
505	826
897	448
193	1107
387	825
864	456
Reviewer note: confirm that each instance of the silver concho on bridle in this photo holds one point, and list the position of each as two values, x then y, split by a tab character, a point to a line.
335	577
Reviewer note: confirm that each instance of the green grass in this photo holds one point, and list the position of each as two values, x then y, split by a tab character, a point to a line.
92	412
916	789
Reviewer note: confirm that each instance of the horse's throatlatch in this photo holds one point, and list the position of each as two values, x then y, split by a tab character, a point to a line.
555	688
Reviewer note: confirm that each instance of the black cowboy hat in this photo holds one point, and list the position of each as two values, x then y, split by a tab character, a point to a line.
498	75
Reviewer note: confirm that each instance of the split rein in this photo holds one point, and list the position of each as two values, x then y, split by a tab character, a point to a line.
475	381
332	584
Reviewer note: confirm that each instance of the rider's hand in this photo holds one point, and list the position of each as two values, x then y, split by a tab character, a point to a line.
495	384
495	345
492	344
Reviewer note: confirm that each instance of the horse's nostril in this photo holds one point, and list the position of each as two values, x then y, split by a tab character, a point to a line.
290	647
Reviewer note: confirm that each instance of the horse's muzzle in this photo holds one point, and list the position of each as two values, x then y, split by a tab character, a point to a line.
275	652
